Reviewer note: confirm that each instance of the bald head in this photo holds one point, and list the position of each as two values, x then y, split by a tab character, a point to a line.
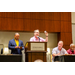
16	36
60	45
16	33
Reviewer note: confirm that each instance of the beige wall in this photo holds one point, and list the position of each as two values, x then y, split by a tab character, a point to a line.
73	17
73	26
25	36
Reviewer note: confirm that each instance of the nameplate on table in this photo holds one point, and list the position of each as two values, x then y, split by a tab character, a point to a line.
38	46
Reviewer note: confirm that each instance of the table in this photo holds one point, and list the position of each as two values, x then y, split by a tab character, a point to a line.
10	58
65	58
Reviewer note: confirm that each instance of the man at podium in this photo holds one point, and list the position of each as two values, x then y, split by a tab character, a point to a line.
36	37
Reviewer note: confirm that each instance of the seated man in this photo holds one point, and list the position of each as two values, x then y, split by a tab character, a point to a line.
36	37
72	49
58	50
16	45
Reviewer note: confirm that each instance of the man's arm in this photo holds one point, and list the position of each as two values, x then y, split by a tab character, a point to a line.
10	45
46	40
54	52
22	46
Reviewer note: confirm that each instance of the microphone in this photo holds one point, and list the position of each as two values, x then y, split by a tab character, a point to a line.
38	38
45	31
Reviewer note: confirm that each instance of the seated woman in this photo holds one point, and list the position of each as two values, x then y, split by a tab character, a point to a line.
72	49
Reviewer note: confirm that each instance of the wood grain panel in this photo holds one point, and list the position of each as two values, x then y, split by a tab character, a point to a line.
49	15
66	38
66	47
57	26
29	57
26	24
33	15
57	16
17	25
49	26
40	15
6	14
52	26
18	15
32	25
66	16
4	23
0	14
10	23
9	14
36	56
26	15
66	26
40	25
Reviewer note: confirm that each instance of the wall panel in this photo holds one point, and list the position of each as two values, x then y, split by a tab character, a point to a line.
66	16
66	47
26	15
49	26
40	25
4	23
49	16
57	16
33	15
59	22
40	15
26	24
17	25
9	14
18	15
66	26
57	26
66	38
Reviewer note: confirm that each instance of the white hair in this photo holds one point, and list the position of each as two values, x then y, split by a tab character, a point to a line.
61	42
36	30
71	44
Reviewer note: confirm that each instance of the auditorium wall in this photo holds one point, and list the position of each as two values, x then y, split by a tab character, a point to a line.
25	36
58	24
73	26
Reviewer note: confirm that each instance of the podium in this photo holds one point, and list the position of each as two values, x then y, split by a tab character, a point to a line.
36	51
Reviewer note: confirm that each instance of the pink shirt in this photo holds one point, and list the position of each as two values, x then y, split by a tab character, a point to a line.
37	40
70	52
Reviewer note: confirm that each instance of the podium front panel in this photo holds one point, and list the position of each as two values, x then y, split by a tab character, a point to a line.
37	46
32	56
36	51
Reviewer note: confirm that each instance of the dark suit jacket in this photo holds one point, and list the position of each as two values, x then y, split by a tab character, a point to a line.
12	45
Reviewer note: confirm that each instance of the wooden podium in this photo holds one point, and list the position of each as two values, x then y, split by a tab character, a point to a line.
36	51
